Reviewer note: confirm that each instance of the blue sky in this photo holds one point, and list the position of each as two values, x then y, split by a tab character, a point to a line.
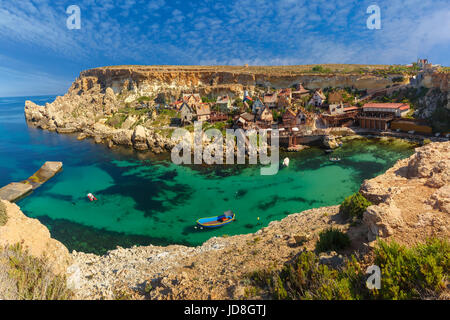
40	55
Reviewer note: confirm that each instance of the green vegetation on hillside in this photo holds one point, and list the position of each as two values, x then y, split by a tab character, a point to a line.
417	273
354	206
25	277
332	240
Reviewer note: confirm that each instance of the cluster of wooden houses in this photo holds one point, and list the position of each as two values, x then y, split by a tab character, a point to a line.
287	109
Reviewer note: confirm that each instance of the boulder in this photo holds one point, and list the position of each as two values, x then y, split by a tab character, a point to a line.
123	137
440	200
140	138
332	259
381	220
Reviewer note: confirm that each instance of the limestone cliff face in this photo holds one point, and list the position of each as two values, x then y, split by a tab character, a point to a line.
412	199
436	80
145	80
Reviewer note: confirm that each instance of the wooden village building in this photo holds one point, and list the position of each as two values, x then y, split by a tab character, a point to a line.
284	98
187	114
224	104
203	112
264	117
217	116
289	118
246	120
192	100
317	99
379	115
271	100
299	92
257	105
340	116
292	119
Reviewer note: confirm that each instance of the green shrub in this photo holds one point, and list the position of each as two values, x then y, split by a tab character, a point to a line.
307	279
116	120
412	273
33	276
419	272
354	206
3	215
143	99
332	240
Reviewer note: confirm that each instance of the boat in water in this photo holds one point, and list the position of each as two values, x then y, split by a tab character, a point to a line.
337	159
218	221
91	197
286	162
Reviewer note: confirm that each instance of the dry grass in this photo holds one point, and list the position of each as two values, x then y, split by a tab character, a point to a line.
268	70
3	215
24	277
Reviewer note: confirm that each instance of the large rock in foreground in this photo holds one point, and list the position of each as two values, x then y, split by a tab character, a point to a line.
412	199
33	236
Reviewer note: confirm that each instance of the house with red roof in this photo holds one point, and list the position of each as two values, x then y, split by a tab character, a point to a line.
397	109
379	115
271	100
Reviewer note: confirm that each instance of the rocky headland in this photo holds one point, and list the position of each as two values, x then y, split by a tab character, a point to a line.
105	103
411	202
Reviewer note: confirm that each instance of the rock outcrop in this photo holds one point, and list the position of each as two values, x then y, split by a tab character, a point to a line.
33	236
412	199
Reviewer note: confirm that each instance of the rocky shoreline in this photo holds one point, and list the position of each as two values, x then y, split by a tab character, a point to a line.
411	202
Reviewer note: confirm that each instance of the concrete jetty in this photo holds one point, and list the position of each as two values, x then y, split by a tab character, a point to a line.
17	190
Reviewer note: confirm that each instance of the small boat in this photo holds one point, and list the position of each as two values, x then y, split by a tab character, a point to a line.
91	197
215	222
335	159
286	162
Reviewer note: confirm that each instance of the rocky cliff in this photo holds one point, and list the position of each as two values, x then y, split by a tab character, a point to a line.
34	237
412	199
91	104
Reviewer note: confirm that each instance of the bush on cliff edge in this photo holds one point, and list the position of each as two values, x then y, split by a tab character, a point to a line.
3	215
354	206
332	240
420	272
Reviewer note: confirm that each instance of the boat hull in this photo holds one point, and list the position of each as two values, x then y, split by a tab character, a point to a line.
213	222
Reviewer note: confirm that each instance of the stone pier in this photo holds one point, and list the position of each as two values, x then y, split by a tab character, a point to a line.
17	190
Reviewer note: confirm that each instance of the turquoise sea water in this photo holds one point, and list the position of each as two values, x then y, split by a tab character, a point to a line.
145	199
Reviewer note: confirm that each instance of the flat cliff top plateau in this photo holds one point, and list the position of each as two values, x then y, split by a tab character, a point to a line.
269	70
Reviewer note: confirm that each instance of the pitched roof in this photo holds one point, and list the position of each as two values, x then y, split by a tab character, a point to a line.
185	105
285	92
320	94
291	112
248	116
270	98
300	89
223	99
196	96
335	97
401	106
203	109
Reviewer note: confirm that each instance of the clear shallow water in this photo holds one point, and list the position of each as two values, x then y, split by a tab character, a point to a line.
148	200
